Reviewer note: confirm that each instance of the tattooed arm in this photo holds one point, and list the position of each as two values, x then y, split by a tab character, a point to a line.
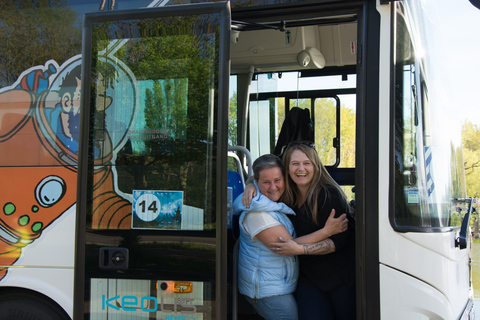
323	247
289	247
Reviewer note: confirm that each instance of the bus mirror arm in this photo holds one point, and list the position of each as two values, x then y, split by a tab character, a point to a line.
461	241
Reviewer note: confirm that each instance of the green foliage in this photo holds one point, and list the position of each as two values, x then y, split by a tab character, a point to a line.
458	175
325	125
166	107
33	33
347	137
232	129
471	158
232	120
455	218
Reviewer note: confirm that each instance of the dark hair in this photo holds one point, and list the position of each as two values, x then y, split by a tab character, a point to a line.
265	162
69	83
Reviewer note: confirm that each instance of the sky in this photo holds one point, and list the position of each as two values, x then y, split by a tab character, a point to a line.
458	25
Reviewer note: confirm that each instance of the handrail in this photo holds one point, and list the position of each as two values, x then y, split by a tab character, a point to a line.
247	154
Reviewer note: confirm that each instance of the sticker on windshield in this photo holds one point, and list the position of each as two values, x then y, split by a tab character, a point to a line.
413	197
154	209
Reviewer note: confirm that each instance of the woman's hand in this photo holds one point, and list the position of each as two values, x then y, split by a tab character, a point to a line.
286	247
249	193
336	225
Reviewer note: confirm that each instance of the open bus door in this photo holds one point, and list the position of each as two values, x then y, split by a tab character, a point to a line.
152	184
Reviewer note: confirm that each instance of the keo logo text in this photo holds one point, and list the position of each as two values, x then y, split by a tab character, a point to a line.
150	304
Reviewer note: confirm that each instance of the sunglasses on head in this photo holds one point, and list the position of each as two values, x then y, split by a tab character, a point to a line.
296	143
303	142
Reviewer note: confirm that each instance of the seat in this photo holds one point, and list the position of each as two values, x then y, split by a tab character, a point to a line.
236	183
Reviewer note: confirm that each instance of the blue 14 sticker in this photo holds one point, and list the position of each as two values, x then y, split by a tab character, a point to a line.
147	207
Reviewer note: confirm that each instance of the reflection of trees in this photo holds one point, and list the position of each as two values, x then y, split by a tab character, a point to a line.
408	136
471	154
181	66
232	121
34	32
458	186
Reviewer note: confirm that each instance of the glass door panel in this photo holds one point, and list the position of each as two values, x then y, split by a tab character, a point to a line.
148	172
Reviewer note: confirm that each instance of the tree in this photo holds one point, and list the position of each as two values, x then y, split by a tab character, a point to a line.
325	130
232	120
347	137
471	157
34	32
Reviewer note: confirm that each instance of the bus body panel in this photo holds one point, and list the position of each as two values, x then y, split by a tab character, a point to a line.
420	274
60	253
406	297
412	262
418	259
47	266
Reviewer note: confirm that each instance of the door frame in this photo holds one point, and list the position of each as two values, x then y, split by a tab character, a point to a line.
223	9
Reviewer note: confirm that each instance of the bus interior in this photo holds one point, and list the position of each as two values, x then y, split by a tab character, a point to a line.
280	65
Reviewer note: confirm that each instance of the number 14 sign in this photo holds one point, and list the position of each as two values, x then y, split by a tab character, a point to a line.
157	209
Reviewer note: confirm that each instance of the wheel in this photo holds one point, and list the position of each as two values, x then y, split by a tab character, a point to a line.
16	304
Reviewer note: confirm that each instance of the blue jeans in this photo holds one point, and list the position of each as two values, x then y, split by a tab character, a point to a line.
337	304
282	307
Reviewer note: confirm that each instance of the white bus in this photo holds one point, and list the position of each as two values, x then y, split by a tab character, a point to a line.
122	150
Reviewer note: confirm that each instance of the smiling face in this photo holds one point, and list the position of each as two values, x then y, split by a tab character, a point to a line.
301	169
271	183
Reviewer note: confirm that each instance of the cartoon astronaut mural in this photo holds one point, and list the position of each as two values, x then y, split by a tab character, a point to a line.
39	136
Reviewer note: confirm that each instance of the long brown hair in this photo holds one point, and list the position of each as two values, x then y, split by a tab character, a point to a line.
321	180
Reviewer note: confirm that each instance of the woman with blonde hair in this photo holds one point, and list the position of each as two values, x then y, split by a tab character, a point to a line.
326	287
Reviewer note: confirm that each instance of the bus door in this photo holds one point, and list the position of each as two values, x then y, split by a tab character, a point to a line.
152	184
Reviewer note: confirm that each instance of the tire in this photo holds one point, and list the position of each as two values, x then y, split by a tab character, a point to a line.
18	304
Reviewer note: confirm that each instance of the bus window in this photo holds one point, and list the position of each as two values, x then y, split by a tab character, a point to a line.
325	122
261	119
326	97
422	202
412	200
347	130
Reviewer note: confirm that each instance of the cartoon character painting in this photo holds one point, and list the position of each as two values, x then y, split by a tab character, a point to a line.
39	136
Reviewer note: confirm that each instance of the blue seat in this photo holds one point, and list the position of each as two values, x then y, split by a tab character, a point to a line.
236	183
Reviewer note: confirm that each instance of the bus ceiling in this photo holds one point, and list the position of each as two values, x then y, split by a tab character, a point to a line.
294	45
282	25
